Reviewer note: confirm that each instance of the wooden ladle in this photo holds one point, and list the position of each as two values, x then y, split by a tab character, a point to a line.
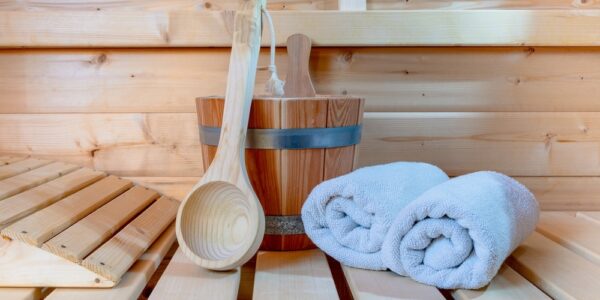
220	224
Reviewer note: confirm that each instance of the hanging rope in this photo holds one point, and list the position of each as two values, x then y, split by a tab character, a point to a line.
274	86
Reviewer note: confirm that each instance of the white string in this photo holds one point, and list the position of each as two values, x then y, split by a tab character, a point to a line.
274	85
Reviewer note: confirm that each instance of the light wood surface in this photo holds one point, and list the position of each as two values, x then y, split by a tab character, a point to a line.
134	280
23	204
118	254
326	28
183	279
293	275
297	81
220	224
508	284
577	234
559	272
371	285
19	167
24	181
46	223
6	159
352	5
592	216
79	240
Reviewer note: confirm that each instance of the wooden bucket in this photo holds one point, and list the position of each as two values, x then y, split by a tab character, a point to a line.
282	158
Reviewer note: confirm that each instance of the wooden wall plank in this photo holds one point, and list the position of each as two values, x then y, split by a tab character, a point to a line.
133	282
391	79
48	222
508	284
371	285
293	275
185	280
577	234
529	27
554	269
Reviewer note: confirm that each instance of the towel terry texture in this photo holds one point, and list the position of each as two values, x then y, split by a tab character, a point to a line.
348	217
457	234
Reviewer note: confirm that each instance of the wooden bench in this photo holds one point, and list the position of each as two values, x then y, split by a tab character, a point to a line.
561	260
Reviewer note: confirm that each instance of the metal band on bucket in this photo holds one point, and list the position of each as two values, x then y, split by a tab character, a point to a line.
284	225
291	138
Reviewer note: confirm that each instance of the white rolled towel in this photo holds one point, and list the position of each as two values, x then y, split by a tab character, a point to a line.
458	234
348	217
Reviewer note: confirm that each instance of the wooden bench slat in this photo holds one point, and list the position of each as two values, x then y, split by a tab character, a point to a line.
293	275
508	284
184	280
21	167
592	216
578	234
115	257
81	239
24	181
133	282
5	160
46	223
367	285
556	270
21	205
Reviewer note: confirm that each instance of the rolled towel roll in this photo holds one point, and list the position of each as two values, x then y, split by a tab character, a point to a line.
349	216
458	234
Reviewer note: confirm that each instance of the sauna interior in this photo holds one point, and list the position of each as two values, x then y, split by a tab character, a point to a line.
511	86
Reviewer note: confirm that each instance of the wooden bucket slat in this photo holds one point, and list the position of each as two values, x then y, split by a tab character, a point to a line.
559	272
577	234
46	223
133	281
293	275
23	204
339	161
184	280
508	284
24	181
365	284
21	167
79	240
115	257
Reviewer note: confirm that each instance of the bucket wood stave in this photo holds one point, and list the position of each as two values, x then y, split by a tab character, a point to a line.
283	178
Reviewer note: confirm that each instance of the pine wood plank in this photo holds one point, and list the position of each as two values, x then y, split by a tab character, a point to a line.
21	293
301	170
133	281
392	79
592	216
79	240
554	269
24	181
115	256
326	28
365	285
339	161
5	160
48	222
577	234
185	280
508	284
172	187
21	167
293	275
21	205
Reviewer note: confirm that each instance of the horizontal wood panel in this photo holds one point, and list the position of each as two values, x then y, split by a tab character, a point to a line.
166	144
196	5
391	79
326	28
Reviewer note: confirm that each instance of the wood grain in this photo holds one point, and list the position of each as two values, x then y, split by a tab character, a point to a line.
293	275
507	284
19	167
371	285
79	240
555	270
185	280
340	160
48	222
28	180
297	80
118	254
23	204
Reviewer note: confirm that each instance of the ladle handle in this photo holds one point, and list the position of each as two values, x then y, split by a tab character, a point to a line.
240	80
297	81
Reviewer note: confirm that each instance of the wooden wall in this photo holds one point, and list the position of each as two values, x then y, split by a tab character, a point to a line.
530	112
